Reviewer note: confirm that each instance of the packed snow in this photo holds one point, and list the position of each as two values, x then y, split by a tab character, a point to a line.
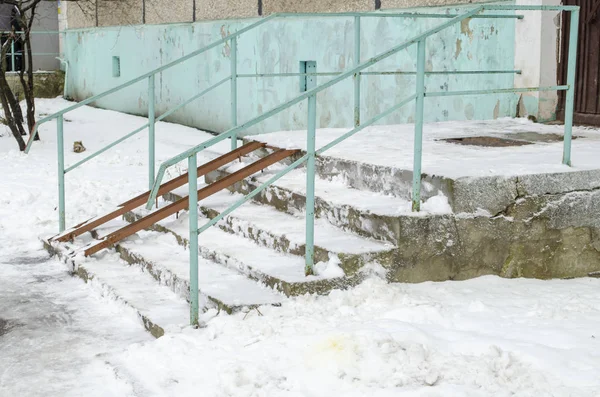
61	337
392	146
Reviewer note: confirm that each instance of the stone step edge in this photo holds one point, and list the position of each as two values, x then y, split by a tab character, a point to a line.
350	263
294	203
167	278
179	286
354	172
288	288
79	270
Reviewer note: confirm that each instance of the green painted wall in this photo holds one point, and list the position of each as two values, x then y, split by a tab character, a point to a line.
277	47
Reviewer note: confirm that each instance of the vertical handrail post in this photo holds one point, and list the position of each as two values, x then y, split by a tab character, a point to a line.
570	97
234	93
418	146
61	173
151	131
356	75
311	82
193	238
12	55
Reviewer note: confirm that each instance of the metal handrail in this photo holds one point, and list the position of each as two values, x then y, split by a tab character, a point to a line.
232	38
309	157
145	76
310	94
349	73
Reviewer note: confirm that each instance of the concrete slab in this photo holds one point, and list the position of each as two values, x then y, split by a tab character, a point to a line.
496	162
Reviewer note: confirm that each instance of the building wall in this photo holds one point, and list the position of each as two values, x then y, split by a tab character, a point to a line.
46	20
44	46
536	54
277	47
131	12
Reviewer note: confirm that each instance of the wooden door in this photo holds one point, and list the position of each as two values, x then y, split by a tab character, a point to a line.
587	78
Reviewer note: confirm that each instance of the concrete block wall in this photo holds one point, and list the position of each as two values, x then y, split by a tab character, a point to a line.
277	47
131	12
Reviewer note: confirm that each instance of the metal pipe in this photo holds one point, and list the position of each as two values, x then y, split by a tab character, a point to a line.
301	97
419	113
12	55
233	58
203	92
252	194
288	74
310	178
193	237
497	91
139	129
356	75
151	131
146	75
61	173
444	72
392	15
513	7
366	124
105	148
570	97
323	74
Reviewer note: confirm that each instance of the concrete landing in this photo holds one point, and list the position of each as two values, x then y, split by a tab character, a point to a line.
480	166
392	146
512	208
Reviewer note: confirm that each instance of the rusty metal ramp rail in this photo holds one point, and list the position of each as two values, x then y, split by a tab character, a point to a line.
183	203
167	187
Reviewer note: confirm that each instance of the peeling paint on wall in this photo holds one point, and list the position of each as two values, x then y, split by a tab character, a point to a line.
277	47
458	48
465	29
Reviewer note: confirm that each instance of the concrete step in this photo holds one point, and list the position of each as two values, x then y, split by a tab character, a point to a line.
281	271
286	233
368	214
161	256
158	307
371	177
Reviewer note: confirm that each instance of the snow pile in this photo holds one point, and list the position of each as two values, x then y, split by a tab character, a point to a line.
58	337
329	269
484	337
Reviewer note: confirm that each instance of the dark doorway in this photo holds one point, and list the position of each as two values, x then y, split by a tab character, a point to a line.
587	78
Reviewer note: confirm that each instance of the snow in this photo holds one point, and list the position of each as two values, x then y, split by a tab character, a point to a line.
331	268
217	281
339	194
392	146
61	337
475	338
256	217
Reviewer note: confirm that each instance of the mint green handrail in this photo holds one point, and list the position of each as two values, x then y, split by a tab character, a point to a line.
150	76
310	94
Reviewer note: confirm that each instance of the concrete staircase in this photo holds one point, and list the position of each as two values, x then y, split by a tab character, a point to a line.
525	226
253	257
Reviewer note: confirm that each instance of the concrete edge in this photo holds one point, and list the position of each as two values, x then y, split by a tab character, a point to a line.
79	270
287	287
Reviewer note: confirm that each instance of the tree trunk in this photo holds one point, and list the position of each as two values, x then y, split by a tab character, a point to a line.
28	84
8	101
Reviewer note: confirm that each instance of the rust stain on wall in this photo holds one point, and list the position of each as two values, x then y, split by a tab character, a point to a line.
466	29
226	49
458	48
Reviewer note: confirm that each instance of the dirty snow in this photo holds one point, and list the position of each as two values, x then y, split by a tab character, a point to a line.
61	337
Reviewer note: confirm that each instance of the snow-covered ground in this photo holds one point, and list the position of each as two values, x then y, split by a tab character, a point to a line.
392	146
61	337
